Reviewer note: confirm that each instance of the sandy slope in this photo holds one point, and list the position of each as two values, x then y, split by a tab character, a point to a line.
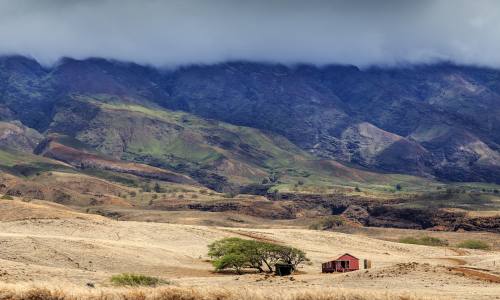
73	250
37	209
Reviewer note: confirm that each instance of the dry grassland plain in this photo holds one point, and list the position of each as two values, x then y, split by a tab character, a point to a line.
54	252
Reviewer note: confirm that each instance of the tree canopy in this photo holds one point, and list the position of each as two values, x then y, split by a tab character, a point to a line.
237	254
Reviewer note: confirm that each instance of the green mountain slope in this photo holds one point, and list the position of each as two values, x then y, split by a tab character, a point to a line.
219	155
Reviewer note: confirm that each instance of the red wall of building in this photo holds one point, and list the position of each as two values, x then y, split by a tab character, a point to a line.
353	262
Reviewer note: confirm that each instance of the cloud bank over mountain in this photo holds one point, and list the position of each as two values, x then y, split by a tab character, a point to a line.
178	32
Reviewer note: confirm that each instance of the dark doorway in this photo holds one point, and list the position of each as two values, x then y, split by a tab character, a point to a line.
283	269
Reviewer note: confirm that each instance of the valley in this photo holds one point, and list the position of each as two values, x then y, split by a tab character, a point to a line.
249	150
109	167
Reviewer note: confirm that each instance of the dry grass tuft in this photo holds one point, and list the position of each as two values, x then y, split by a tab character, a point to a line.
183	293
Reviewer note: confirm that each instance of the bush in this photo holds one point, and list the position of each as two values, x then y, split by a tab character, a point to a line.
237	254
328	223
424	240
230	194
127	279
7	197
157	188
474	244
146	188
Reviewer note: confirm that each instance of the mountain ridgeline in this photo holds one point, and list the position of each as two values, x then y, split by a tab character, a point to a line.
239	122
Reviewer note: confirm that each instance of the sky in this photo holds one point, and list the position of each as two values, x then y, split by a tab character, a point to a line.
179	32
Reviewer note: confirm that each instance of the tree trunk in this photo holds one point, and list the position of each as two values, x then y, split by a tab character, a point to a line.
267	264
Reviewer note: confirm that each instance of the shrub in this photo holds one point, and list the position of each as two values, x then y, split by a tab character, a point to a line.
276	195
424	240
328	223
157	188
128	279
237	254
7	197
474	244
146	188
230	194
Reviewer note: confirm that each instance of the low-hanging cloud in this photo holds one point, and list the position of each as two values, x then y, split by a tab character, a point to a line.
178	32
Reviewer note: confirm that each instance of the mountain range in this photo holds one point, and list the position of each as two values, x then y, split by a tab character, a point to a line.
234	124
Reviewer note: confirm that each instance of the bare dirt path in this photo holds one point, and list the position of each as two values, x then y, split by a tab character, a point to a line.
477	274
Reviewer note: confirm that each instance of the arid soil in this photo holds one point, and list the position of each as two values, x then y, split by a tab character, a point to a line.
64	248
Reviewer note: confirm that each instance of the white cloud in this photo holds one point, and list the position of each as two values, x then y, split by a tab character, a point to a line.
176	32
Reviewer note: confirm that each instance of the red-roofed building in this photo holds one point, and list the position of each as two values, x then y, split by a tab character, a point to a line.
344	263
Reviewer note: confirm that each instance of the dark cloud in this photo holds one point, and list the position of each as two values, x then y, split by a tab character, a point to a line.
169	33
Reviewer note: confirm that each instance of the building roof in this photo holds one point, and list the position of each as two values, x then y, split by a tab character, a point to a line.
347	255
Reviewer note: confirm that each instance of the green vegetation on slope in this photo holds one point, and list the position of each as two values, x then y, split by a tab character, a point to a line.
127	279
328	223
424	240
474	244
25	164
205	149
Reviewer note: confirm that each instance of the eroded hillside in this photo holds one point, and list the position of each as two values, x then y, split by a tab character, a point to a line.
437	120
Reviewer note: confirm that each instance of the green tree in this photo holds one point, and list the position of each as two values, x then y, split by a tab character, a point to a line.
231	261
236	253
291	256
268	254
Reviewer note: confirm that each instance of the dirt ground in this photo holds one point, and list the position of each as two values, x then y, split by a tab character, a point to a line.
60	247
